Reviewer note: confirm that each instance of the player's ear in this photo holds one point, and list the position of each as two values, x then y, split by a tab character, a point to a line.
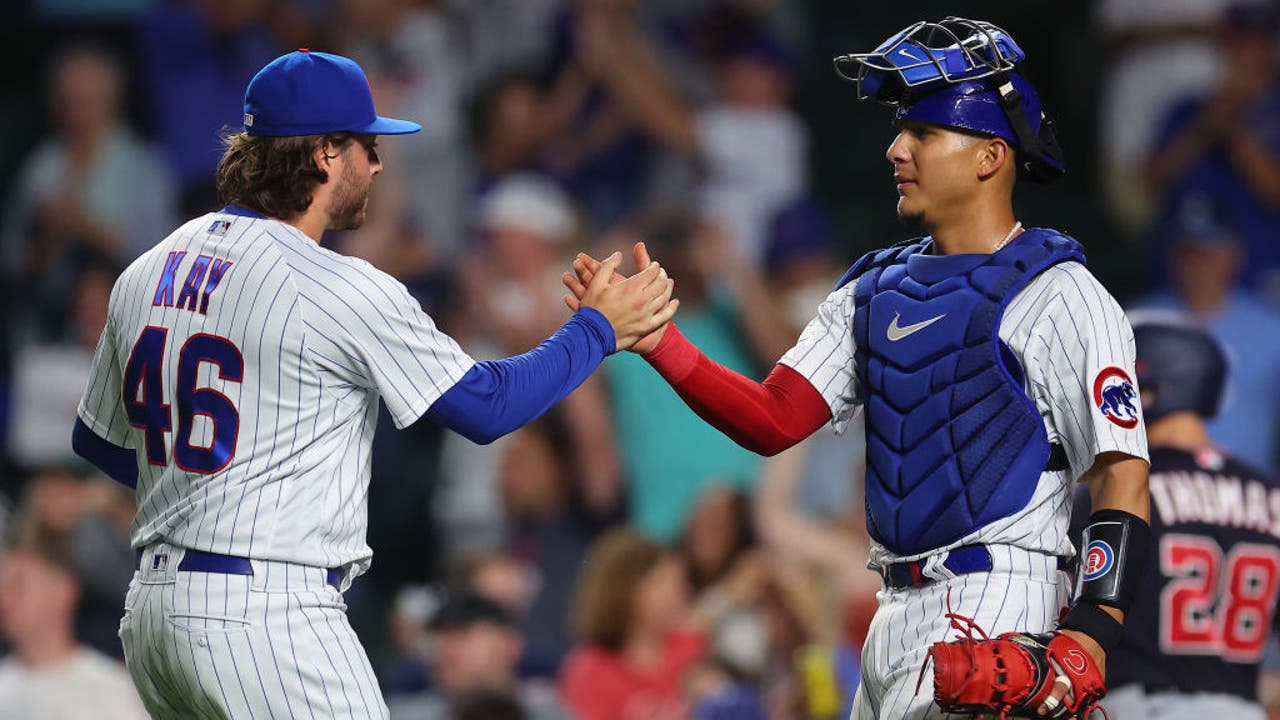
993	155
323	154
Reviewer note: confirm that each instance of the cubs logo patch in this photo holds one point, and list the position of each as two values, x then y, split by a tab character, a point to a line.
1098	560
1115	397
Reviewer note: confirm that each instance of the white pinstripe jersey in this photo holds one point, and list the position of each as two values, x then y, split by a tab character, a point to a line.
245	363
1068	334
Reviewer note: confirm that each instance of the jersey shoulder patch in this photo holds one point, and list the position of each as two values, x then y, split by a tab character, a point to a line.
1115	397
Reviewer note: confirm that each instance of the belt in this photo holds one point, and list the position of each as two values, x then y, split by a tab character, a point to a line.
201	561
962	560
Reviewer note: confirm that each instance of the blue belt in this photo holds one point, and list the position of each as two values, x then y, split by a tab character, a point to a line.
962	560
201	561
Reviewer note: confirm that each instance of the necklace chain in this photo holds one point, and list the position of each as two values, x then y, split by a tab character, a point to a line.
1012	231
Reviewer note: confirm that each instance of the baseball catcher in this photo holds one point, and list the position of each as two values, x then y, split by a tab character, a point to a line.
994	371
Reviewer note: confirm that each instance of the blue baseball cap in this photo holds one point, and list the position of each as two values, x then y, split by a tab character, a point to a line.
1202	221
313	93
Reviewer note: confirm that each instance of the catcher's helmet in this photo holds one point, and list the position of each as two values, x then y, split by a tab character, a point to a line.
959	73
1180	366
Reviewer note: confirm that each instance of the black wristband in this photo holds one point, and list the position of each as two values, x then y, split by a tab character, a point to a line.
1113	558
1090	619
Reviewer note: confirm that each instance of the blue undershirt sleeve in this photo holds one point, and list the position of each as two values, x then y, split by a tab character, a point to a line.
119	462
495	397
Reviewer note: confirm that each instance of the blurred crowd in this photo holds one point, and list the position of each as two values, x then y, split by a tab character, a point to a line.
618	558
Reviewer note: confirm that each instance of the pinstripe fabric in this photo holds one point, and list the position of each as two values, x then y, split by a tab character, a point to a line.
274	645
323	337
1064	328
1023	592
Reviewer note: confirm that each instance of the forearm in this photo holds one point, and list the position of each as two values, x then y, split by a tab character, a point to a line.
784	528
498	396
586	414
1120	484
764	417
1258	165
1179	154
762	323
632	77
1115	548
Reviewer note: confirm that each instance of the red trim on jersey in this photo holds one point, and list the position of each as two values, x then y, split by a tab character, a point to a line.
764	417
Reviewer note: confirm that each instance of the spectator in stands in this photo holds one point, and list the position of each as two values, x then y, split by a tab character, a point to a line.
637	632
509	124
510	290
1160	51
487	705
803	267
830	551
476	647
90	518
802	259
552	526
46	375
1207	258
750	145
1224	145
670	456
718	536
197	56
716	693
503	34
417	69
93	189
729	576
49	674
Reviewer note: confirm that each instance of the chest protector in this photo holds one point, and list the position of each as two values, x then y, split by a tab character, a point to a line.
953	441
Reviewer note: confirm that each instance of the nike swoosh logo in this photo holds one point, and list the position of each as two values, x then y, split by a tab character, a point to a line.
896	333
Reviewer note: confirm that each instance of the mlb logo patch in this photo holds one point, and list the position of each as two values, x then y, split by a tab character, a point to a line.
220	227
159	561
1115	398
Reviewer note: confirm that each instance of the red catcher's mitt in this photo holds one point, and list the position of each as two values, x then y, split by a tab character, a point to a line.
1011	675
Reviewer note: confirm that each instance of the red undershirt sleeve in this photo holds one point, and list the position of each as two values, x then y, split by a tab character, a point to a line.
764	417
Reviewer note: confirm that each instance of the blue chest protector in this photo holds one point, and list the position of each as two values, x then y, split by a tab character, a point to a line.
953	441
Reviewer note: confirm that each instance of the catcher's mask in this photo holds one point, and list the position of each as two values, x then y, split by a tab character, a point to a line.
959	73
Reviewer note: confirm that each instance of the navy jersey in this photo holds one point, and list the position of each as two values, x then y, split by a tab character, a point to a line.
1208	599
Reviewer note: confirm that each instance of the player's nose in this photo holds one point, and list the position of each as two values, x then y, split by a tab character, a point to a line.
897	152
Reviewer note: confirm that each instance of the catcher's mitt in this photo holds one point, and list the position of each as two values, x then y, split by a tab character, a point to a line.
1012	674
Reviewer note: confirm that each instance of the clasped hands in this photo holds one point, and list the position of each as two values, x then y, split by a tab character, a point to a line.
638	307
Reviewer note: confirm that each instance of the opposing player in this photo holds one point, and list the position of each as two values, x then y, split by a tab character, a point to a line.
1193	641
236	385
994	370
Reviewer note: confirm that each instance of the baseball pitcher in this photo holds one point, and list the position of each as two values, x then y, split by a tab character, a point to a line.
236	385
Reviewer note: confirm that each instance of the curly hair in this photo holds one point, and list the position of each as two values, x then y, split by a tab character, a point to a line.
604	599
275	176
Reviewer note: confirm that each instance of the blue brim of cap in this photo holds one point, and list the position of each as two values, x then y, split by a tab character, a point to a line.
389	126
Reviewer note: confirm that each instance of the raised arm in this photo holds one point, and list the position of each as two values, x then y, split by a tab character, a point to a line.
617	55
